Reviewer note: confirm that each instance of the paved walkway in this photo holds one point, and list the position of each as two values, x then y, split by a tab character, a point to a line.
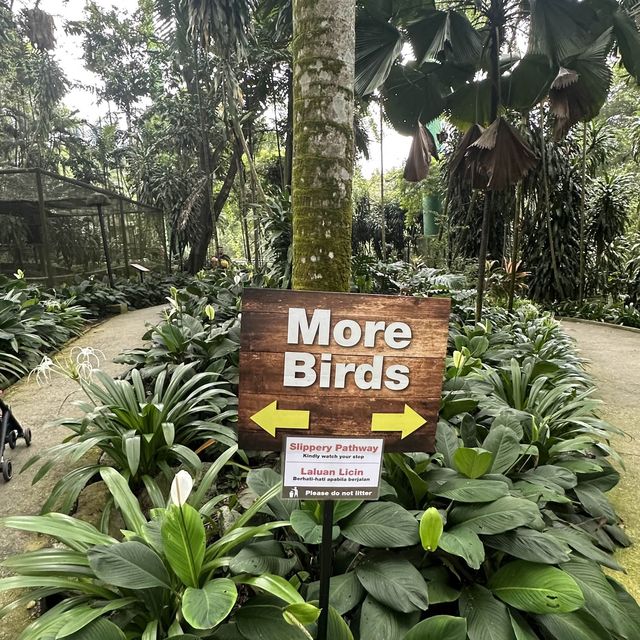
613	356
35	406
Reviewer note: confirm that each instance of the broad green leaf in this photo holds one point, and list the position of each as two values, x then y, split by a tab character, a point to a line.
578	625
337	628
305	613
439	585
487	618
208	607
582	543
595	502
601	600
381	525
447	442
472	463
394	582
265	622
260	481
345	592
262	557
528	544
520	627
184	541
496	517
275	585
431	527
464	543
504	446
439	627
308	528
536	588
379	622
467	490
131	565
98	630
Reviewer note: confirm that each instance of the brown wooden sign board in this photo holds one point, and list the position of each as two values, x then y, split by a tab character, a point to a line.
339	364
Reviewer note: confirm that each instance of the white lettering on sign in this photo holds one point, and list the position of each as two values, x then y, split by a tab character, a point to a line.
302	369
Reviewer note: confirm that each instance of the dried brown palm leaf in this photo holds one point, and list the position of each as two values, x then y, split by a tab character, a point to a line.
459	167
41	29
423	148
502	155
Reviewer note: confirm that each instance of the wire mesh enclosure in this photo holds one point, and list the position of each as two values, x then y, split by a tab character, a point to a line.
56	228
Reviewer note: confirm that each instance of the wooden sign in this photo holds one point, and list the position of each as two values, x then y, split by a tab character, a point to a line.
339	364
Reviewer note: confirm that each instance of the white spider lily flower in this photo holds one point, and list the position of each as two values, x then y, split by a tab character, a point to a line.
43	371
89	356
181	488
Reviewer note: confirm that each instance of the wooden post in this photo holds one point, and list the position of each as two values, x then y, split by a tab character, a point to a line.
44	231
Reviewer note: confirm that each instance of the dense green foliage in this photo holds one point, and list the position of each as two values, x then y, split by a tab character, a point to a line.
502	532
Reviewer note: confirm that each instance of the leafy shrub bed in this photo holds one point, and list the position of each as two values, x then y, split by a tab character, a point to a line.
502	533
625	314
35	321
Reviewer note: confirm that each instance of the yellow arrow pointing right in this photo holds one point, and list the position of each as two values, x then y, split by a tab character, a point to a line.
271	418
407	422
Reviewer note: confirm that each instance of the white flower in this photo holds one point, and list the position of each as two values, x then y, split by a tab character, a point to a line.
181	488
87	356
43	371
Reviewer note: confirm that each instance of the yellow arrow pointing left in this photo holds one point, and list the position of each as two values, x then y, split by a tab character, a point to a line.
271	418
407	422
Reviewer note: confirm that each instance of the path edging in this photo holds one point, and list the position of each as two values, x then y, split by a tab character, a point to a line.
597	323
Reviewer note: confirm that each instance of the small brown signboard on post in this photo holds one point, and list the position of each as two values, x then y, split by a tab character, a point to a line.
341	365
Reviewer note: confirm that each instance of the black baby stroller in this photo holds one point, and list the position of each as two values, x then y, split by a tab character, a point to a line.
10	431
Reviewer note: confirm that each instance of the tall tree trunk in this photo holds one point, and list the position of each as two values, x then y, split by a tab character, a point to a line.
496	99
323	145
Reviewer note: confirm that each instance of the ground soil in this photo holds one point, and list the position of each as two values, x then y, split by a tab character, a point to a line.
35	406
613	356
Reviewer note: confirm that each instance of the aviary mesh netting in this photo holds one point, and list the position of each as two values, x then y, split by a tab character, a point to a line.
50	227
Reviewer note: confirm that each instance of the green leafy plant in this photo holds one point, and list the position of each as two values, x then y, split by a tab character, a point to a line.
142	434
169	576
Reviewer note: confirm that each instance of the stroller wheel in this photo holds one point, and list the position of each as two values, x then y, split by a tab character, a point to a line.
12	439
27	437
7	470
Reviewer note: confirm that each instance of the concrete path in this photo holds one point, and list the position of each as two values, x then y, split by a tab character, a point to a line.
35	406
613	356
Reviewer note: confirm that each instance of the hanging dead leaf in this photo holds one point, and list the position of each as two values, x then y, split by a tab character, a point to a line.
500	154
423	148
41	28
459	167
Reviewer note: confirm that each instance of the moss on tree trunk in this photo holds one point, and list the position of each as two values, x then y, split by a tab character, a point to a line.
323	149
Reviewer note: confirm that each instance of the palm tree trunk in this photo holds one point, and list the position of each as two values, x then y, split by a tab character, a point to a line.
496	99
515	248
547	206
323	63
582	208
